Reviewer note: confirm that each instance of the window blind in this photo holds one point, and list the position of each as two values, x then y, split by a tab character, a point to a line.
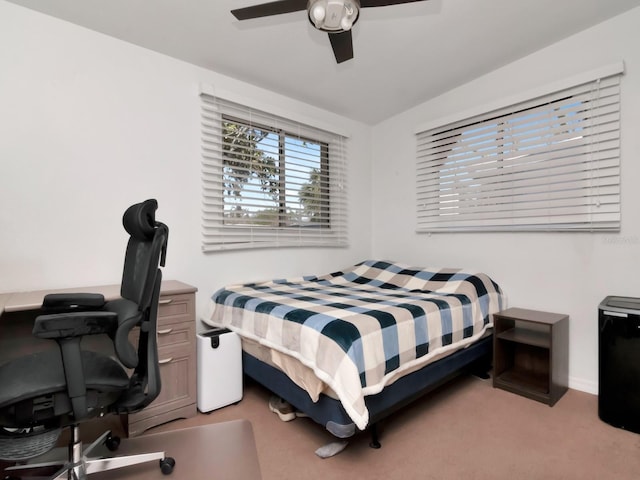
550	163
269	181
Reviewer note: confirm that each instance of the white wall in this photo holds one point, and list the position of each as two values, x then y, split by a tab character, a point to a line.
565	273
90	125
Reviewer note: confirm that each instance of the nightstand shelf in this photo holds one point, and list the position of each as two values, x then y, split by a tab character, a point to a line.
530	353
532	382
526	337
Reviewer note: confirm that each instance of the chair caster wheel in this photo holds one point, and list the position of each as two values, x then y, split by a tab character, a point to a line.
112	442
167	464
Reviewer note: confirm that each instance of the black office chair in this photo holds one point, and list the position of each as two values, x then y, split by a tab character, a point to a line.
42	393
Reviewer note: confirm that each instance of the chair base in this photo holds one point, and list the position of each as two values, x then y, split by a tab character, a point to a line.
80	464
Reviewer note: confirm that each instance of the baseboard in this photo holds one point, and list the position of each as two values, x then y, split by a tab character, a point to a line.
583	385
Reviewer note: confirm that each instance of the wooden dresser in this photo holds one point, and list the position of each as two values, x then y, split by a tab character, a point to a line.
177	358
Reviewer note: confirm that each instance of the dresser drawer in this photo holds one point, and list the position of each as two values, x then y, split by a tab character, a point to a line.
177	334
170	335
178	389
175	309
176	398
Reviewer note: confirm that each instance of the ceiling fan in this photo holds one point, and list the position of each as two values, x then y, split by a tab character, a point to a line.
336	17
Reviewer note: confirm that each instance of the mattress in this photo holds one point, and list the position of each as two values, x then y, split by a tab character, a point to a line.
359	329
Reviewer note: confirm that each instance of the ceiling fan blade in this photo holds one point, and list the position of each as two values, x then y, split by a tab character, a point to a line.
342	45
268	9
384	3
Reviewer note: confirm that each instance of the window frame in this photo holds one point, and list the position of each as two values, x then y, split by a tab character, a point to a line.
331	228
445	199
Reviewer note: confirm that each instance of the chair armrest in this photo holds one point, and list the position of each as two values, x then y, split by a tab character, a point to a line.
74	324
72	301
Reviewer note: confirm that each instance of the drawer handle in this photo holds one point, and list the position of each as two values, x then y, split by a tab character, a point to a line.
166	360
164	332
165	301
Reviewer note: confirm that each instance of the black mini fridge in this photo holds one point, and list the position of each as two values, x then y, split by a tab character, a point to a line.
619	362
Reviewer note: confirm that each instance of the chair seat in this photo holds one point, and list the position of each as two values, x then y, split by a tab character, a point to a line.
42	373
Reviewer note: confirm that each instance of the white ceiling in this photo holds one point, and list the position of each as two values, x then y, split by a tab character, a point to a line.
404	54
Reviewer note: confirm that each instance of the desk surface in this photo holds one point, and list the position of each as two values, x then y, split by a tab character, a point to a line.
23	301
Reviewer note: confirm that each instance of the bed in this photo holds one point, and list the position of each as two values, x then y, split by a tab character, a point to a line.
350	347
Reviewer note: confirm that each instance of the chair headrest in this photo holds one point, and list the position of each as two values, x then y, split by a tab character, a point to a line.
139	220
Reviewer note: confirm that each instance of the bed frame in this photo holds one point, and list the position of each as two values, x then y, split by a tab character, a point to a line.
329	412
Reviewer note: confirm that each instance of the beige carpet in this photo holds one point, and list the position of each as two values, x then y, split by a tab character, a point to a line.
467	430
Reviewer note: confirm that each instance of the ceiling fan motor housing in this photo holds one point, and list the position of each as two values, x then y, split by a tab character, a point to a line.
333	15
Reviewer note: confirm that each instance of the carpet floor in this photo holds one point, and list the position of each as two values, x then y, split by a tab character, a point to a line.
465	430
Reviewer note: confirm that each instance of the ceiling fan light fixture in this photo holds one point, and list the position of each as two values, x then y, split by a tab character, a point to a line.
346	23
318	13
333	15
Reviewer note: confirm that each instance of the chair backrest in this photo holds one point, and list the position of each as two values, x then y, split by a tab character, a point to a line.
141	279
146	249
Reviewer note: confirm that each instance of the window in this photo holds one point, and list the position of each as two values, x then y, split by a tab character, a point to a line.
551	163
269	181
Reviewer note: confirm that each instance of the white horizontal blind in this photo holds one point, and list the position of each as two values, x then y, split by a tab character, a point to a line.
269	181
551	163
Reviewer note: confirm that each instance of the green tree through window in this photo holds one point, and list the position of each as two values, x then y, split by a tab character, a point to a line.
272	178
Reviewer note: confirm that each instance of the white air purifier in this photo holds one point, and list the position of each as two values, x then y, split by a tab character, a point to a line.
219	369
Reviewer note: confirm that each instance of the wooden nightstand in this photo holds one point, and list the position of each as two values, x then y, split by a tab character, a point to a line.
531	353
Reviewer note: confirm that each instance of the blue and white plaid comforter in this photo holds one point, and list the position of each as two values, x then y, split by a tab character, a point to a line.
360	328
